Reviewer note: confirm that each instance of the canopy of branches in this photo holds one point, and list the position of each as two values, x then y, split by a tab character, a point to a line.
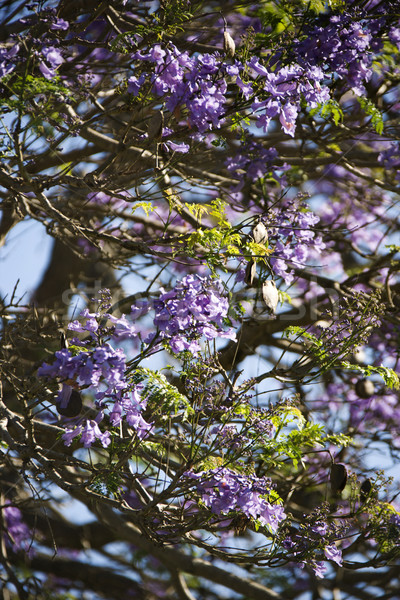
220	181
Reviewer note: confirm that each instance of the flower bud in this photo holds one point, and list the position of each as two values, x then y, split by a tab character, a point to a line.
229	45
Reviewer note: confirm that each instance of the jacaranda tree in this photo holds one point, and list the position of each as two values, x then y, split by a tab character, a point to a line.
198	397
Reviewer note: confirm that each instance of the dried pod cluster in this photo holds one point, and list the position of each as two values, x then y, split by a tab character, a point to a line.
269	290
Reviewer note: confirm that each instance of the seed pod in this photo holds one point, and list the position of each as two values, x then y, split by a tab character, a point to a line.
69	402
365	489
63	340
229	45
250	272
338	478
260	234
365	388
270	295
156	126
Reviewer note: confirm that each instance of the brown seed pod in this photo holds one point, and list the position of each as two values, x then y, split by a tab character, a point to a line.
71	402
63	340
365	489
156	126
338	478
365	388
270	295
250	272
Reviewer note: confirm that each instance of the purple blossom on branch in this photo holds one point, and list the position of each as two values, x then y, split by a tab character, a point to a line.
7	64
195	308
223	490
18	535
89	432
101	365
333	553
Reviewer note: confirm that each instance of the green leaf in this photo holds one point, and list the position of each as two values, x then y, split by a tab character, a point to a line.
372	111
389	376
317	6
162	397
329	110
146	206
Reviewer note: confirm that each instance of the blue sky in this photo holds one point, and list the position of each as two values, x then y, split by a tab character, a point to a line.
24	256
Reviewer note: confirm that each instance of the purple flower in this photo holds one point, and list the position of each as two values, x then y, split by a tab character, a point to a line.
90	432
91	325
141	426
246	88
394	36
272	515
7	64
255	66
88	368
333	553
224	490
288	118
134	84
343	47
53	56
195	308
121	328
319	569
45	71
320	528
157	54
18	535
70	434
60	24
183	148
139	310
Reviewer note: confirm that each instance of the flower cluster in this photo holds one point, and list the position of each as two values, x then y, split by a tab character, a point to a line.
284	89
194	83
8	59
223	491
313	537
369	413
130	404
343	47
292	237
89	432
103	369
294	231
18	534
88	367
195	308
252	163
119	327
200	86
